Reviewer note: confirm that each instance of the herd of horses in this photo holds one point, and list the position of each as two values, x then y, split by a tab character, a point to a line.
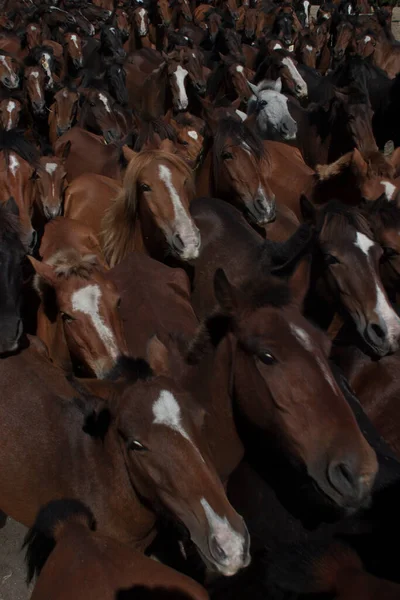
199	269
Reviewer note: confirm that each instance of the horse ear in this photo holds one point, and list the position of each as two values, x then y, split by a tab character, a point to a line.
253	88
65	149
359	165
223	58
236	103
308	210
168	146
12	207
157	356
45	271
128	153
168	116
278	85
224	292
395	162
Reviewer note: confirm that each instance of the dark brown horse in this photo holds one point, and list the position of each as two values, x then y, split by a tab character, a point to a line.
103	566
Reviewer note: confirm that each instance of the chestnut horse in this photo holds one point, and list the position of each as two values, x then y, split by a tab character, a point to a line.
62	113
50	185
151	213
235	170
10	112
108	566
78	318
145	431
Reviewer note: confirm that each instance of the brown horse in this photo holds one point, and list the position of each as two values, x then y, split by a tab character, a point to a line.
73	50
50	185
103	566
152	210
78	319
9	69
10	112
349	264
235	169
62	113
35	88
144	441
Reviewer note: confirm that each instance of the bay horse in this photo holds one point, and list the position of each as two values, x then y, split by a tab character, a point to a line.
12	252
78	317
10	112
34	84
348	260
62	113
97	114
18	160
9	71
235	169
50	185
145	430
108	566
152	211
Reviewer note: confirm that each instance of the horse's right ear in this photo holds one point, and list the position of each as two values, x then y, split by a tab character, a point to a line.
45	271
224	292
253	88
62	150
157	356
308	210
128	153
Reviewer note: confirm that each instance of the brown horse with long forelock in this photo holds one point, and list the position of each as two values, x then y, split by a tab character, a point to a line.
152	210
144	442
103	566
78	318
50	185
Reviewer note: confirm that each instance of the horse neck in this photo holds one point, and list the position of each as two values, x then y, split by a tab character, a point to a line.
211	384
204	177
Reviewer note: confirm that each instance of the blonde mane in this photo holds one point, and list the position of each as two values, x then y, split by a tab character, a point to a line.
119	222
68	263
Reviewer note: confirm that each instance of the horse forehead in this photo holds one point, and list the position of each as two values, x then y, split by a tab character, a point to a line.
50	167
363	242
86	300
166	411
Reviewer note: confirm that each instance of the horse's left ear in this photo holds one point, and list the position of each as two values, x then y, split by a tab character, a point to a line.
253	88
157	356
168	146
168	116
128	153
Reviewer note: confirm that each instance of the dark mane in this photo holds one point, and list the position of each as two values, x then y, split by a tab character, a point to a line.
9	223
14	141
132	369
239	133
352	216
149	127
282	257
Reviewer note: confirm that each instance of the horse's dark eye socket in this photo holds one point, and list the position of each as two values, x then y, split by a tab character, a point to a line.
144	187
92	103
390	252
263	103
184	143
267	358
330	259
66	318
136	446
226	155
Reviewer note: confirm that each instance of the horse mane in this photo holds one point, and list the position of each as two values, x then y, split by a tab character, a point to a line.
346	215
14	141
119	221
216	78
49	525
149	127
68	263
240	133
387	211
9	223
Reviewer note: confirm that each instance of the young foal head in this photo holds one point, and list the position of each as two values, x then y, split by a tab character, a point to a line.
161	428
351	265
74	288
158	187
240	166
50	185
283	384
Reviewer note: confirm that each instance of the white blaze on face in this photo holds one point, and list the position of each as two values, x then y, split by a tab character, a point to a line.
305	340
36	75
306	5
183	223
13	164
166	411
367	39
382	309
86	301
232	542
13	78
180	75
239	68
142	26
105	101
46	67
301	86
241	114
50	168
74	40
10	107
277	47
309	48
390	189
193	135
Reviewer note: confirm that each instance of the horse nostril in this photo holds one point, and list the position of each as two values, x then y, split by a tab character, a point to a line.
7	81
216	550
178	243
342	478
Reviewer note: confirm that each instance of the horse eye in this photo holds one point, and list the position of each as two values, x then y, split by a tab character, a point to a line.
184	143
66	318
92	103
263	103
137	446
226	155
330	259
267	358
119	303
390	252
144	187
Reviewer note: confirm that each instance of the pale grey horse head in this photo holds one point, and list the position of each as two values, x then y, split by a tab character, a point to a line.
274	120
